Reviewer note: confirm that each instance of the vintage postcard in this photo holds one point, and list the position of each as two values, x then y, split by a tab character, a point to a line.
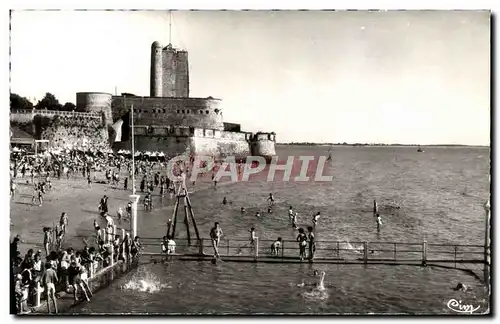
322	162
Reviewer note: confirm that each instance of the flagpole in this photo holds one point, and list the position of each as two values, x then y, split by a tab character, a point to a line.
133	150
134	198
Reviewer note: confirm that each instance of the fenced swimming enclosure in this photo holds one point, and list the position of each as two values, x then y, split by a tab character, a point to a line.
345	252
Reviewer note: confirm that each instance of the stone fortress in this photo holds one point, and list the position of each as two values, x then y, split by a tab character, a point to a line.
167	121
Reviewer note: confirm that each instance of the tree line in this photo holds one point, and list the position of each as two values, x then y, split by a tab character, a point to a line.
48	102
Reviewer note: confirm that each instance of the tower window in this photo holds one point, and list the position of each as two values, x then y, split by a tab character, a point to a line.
188	111
207	111
178	111
201	111
164	110
183	111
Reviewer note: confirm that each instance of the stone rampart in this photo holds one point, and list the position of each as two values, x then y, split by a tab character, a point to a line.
157	111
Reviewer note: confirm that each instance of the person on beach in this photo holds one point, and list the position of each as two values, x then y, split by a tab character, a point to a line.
275	247
48	281
12	189
63	222
103	205
47	239
302	239
59	237
119	213
89	182
84	277
215	234
128	209
224	201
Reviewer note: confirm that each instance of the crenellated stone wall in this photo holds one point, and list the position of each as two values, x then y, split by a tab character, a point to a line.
157	111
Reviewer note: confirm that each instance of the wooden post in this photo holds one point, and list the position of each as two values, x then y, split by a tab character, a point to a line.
256	248
200	246
282	249
186	221
455	257
39	291
424	253
394	251
174	218
112	255
192	217
123	234
486	272
114	232
227	244
338	251
365	252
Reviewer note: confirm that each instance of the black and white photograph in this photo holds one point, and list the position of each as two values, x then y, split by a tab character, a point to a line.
250	162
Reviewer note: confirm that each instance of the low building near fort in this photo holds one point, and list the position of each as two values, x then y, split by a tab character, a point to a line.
167	121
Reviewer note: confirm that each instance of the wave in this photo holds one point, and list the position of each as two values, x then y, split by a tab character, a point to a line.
348	246
145	281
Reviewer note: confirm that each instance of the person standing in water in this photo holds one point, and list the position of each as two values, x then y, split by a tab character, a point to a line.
312	242
253	238
276	246
270	199
290	213
375	207
316	218
215	234
379	221
302	239
294	220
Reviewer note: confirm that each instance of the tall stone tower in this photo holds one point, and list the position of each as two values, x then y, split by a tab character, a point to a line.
155	82
169	72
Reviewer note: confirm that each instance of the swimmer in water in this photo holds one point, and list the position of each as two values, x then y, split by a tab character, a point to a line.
269	210
316	218
290	213
257	214
243	210
270	199
294	220
379	222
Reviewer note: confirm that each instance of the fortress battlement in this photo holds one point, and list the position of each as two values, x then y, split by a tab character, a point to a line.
27	115
184	131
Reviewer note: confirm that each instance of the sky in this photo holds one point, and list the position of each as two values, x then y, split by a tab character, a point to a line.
414	77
